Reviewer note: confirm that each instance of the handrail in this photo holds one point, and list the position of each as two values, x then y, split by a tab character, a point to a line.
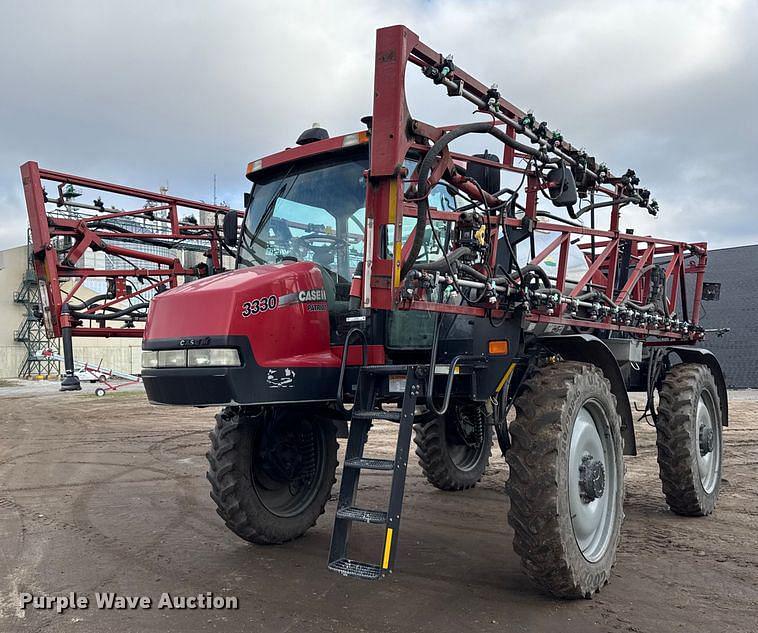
343	364
461	358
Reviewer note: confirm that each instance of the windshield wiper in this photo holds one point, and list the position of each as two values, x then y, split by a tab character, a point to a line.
269	210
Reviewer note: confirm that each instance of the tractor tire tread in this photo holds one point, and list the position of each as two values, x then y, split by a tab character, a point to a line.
540	532
225	479
676	462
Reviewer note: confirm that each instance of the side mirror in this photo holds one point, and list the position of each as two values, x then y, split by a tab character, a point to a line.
230	228
247	198
562	187
487	177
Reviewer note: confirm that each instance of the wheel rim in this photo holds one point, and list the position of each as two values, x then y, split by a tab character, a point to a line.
288	466
707	442
464	455
593	481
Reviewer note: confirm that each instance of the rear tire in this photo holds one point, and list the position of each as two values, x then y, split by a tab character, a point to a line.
566	481
454	450
689	439
271	475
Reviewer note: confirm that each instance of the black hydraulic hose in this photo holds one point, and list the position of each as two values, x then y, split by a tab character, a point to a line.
441	265
597	205
644	308
596	294
147	240
88	302
479	276
425	167
111	315
537	270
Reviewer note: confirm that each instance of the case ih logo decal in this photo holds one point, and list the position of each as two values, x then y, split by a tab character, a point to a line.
314	300
194	342
317	294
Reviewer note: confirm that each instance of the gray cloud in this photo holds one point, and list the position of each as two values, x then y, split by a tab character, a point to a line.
155	93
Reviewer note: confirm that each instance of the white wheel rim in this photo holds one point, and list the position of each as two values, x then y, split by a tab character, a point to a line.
707	442
592	506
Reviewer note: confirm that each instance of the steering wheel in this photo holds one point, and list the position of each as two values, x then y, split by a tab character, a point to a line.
323	245
326	239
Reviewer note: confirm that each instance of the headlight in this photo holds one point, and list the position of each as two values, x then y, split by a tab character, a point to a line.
172	358
149	359
203	357
213	358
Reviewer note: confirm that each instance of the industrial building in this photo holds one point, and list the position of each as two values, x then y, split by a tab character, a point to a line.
21	333
737	350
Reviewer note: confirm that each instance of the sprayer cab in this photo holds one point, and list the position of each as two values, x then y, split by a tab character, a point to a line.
265	332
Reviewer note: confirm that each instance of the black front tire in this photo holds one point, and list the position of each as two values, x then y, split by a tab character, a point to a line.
540	482
248	464
685	389
448	462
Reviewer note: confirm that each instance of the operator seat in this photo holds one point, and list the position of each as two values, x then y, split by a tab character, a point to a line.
336	307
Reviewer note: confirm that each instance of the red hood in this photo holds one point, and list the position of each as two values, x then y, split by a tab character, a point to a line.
291	325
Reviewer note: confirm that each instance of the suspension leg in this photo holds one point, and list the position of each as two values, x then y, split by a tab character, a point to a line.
70	381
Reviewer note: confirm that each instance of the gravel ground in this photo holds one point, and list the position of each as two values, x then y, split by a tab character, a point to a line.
109	494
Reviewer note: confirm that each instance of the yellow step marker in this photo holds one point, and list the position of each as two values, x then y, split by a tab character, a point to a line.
387	549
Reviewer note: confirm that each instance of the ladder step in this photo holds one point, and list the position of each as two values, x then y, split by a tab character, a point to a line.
370	463
356	569
351	513
384	369
377	414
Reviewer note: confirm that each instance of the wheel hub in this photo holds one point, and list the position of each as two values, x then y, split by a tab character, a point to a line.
286	469
591	479
281	460
706	440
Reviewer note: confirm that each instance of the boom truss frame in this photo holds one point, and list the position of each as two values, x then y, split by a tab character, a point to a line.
60	243
394	133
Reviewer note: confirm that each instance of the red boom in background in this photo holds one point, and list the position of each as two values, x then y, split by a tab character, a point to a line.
59	245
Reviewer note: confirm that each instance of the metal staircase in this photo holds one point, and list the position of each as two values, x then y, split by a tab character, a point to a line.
31	331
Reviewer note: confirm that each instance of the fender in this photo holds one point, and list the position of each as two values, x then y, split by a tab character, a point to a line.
590	349
707	358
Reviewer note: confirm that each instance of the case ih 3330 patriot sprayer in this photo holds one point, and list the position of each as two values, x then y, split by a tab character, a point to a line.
383	270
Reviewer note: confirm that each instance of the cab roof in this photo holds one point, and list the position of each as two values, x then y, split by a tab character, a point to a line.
290	154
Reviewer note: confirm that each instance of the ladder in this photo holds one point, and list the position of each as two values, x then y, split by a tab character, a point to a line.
364	411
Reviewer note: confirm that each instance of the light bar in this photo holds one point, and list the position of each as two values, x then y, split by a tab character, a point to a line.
203	357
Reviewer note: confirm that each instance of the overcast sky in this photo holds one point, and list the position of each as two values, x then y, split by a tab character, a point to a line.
154	93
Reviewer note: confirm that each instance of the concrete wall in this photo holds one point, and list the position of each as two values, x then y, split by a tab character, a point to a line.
12	268
122	354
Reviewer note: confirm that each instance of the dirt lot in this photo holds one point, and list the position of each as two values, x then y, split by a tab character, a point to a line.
109	494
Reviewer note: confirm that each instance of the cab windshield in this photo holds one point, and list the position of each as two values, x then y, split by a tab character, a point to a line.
309	212
315	212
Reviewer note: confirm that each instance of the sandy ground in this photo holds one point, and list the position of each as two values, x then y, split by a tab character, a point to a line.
109	494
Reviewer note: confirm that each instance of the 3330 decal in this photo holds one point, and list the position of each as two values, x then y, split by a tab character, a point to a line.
262	304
